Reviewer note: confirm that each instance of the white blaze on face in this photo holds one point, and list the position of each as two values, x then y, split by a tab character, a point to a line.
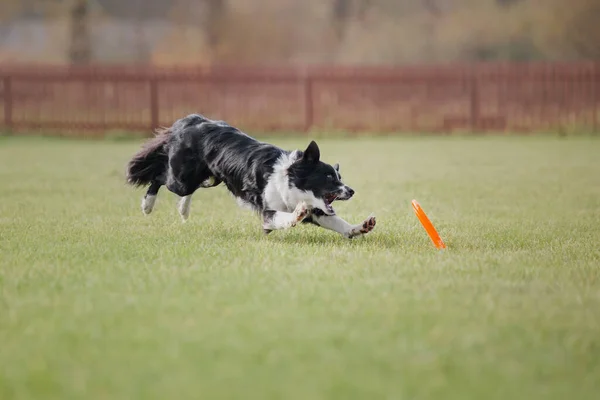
278	194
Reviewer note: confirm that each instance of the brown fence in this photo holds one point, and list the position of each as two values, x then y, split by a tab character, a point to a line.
478	98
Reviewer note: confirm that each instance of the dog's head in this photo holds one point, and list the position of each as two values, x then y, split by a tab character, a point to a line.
321	182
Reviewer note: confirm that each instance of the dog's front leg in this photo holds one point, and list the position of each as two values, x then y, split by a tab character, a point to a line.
273	220
337	224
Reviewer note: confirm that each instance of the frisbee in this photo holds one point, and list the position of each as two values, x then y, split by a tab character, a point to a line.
435	237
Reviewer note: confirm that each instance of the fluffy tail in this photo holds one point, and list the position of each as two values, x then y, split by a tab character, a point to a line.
150	162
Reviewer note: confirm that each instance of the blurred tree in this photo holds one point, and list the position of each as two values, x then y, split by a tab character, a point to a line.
507	2
80	44
434	13
363	8
129	10
346	12
432	7
9	9
345	31
340	13
14	12
134	17
267	36
215	11
576	30
197	31
141	48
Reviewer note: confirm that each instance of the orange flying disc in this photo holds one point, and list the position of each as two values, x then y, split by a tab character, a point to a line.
435	237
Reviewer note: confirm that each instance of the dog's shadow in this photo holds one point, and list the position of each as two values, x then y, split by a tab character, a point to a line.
315	238
309	235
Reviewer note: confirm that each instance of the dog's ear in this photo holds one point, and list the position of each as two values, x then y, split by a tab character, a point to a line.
312	153
337	167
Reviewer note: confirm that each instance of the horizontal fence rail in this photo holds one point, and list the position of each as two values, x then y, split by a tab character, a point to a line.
476	98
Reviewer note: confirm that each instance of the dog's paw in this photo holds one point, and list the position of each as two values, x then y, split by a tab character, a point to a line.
184	213
362	229
368	225
184	208
300	213
148	204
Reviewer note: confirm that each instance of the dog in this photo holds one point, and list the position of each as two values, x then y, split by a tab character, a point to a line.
283	187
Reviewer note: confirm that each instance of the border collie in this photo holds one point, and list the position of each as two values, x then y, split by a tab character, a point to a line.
284	187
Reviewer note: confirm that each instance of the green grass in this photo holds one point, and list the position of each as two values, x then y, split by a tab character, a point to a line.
99	302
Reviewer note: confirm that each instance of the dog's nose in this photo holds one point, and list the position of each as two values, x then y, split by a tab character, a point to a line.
350	191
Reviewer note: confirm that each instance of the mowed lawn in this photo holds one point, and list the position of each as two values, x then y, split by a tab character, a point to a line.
98	301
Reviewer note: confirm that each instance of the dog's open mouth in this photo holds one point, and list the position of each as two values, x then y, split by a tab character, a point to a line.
328	200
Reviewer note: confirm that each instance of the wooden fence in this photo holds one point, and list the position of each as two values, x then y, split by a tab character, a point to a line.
474	97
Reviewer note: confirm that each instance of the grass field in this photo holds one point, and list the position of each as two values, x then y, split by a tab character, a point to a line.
99	302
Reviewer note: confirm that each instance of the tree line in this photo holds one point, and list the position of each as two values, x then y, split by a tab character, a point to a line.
325	31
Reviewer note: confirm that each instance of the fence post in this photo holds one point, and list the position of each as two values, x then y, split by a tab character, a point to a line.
474	100
8	100
153	103
308	102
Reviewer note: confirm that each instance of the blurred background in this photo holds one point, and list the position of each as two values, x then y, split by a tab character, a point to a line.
176	32
418	65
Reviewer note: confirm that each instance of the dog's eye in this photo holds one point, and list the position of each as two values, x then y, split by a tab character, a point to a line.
330	177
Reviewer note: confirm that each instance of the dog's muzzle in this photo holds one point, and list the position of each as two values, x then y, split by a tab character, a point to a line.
345	193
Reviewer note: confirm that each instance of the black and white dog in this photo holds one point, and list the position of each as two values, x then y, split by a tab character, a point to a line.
284	187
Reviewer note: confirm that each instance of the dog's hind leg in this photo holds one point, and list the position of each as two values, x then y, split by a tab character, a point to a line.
150	197
273	220
184	207
186	201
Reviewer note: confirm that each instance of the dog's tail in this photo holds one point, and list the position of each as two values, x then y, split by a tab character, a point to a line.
151	161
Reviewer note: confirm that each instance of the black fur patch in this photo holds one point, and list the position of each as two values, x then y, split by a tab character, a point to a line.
316	212
198	148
